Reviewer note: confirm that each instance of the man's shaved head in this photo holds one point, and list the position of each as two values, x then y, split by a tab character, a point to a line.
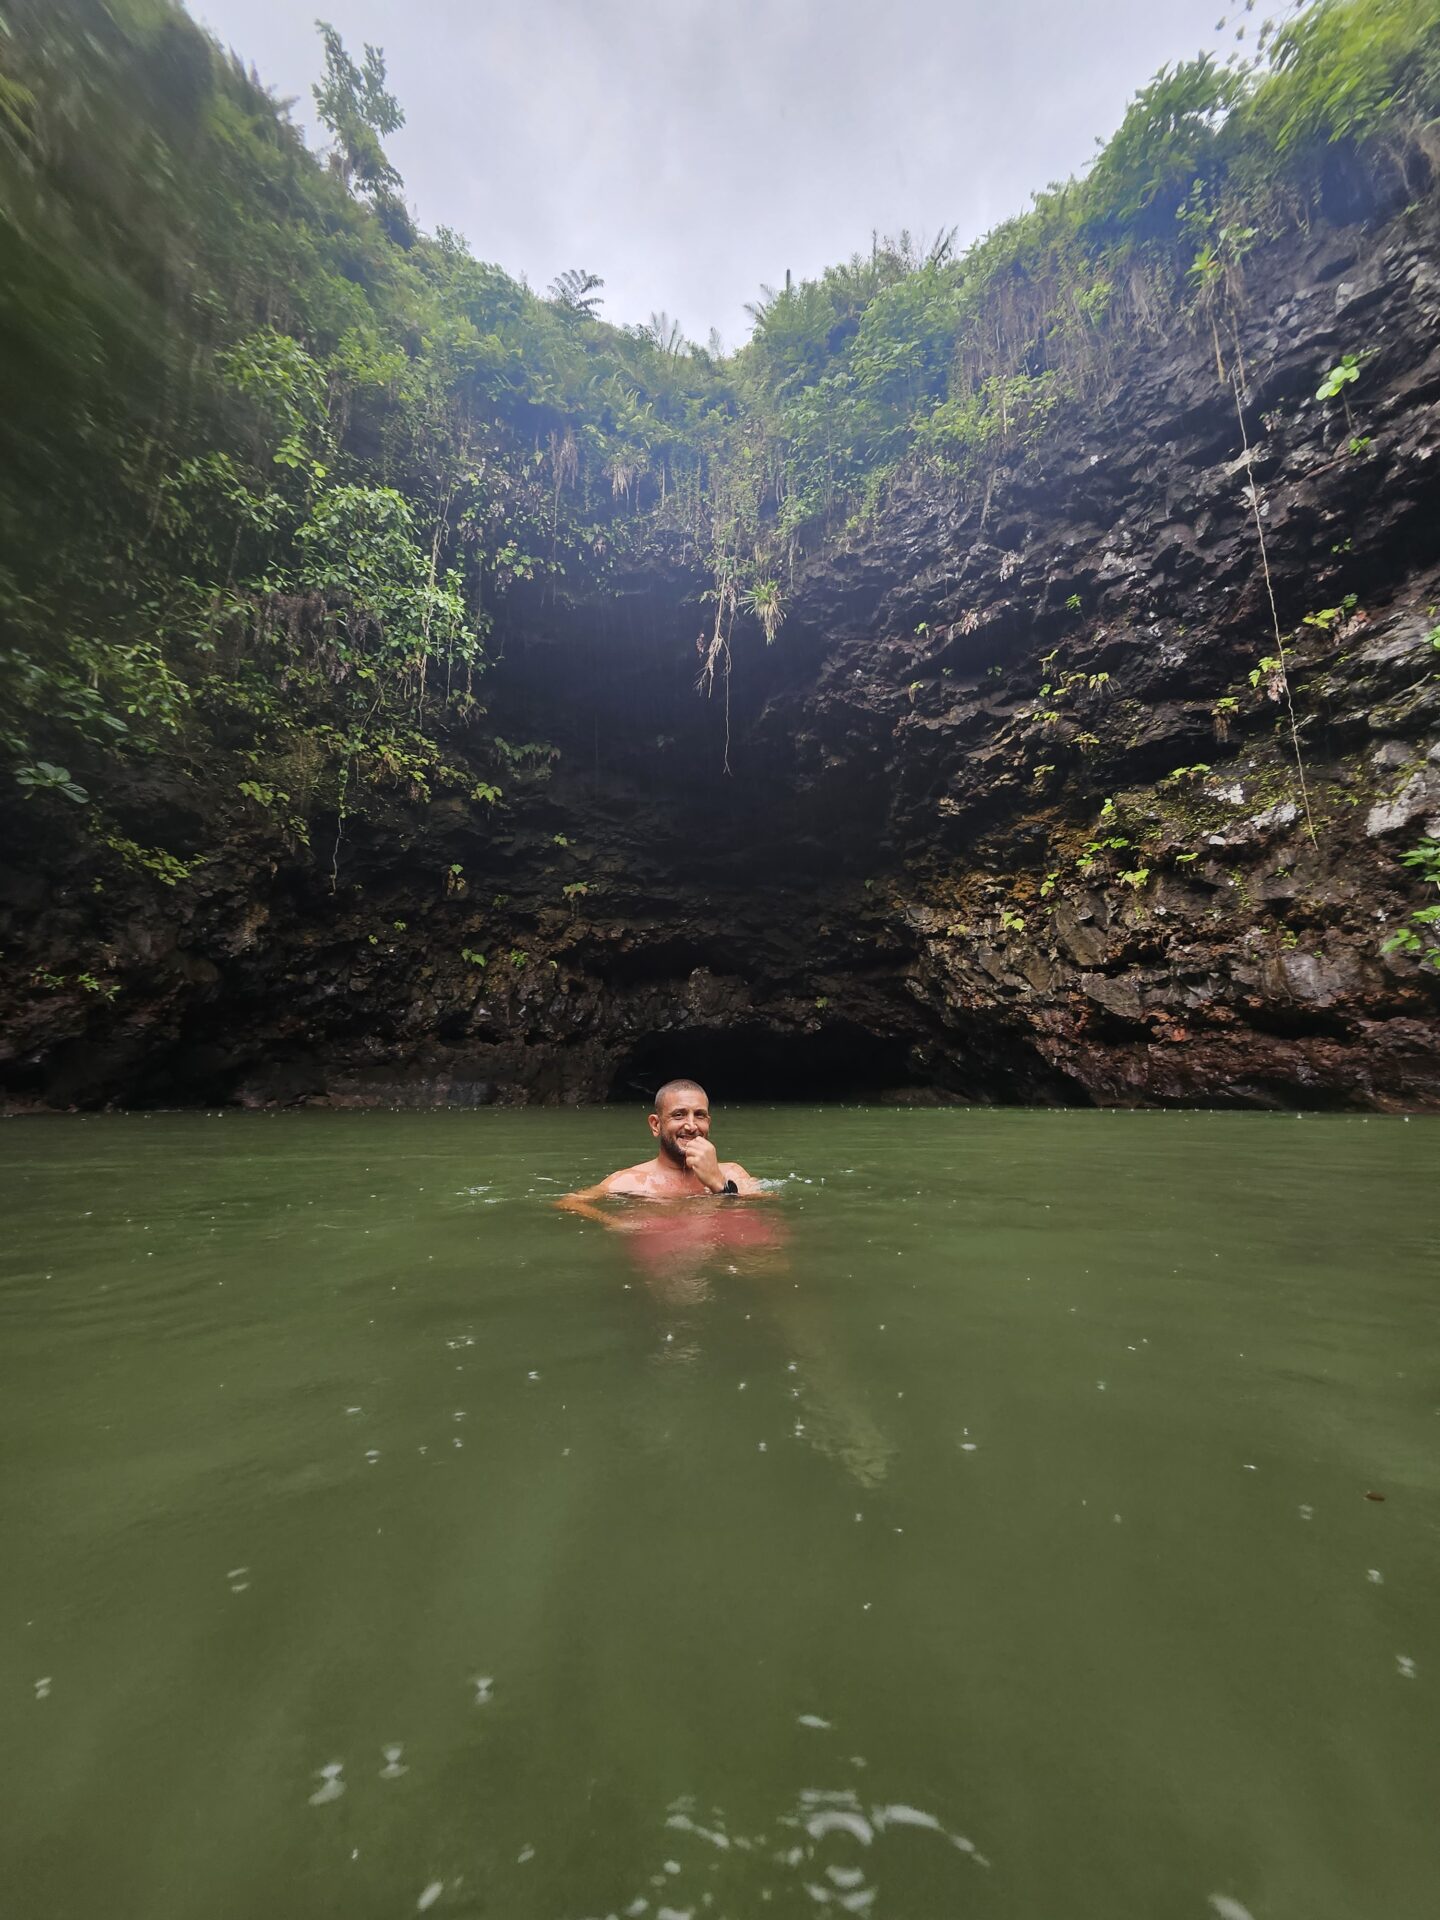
672	1087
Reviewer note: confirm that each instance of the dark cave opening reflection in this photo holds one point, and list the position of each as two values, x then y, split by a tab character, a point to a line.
835	1061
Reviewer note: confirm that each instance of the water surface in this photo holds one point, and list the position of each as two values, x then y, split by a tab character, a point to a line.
980	1525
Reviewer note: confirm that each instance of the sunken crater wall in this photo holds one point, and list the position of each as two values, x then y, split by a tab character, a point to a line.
885	860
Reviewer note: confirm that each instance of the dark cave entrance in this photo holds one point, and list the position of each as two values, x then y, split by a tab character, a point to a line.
838	1061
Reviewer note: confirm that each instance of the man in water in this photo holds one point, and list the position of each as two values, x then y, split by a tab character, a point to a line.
685	1164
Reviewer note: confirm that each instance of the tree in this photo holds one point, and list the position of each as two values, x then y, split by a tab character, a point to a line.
578	291
359	109
665	335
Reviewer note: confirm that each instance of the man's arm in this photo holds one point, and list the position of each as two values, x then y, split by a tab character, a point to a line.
747	1183
583	1200
705	1164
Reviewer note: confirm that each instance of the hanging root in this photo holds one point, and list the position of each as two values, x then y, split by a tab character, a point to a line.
1236	382
715	654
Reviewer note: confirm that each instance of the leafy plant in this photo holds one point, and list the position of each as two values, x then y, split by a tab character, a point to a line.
168	868
1421	937
262	795
46	777
764	603
1343	374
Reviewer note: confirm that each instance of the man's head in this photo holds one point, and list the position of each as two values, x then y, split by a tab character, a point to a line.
682	1112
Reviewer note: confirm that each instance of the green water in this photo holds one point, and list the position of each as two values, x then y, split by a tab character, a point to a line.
978	1526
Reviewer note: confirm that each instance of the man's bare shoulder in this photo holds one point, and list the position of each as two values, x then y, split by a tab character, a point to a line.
638	1180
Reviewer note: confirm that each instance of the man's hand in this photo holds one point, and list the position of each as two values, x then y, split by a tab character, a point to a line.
702	1160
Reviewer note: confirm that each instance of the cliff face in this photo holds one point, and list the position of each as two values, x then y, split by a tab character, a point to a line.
1004	816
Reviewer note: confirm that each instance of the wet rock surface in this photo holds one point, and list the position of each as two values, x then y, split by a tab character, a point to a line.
999	816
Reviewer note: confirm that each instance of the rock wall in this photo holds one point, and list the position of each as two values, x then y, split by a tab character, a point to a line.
999	816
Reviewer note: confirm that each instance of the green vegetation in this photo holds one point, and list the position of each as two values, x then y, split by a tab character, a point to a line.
1421	938
274	463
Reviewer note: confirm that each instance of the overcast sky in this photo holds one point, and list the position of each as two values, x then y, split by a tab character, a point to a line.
689	150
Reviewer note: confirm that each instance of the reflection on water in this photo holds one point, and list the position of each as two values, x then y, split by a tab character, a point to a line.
683	1249
1013	1516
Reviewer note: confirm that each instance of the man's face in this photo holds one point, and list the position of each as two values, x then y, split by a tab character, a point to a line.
685	1116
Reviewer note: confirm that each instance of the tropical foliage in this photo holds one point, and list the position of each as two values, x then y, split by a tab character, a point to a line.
273	461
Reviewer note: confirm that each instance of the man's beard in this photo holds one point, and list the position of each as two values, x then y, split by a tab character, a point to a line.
674	1151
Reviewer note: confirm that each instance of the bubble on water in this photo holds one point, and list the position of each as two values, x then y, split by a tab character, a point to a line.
968	1446
1307	1513
331	1784
42	1687
1100	1386
431	1894
903	1816
373	1455
1229	1909
1405	1666
392	1768
813	1720
484	1686
459	1415
682	1823
839	1820
1374	1576
525	1853
761	1448
237	1573
742	1386
354	1409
